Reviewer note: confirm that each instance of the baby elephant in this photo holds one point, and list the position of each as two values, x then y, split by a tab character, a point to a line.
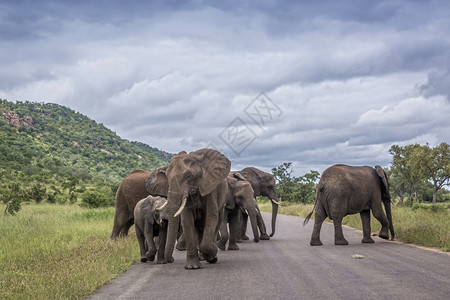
150	218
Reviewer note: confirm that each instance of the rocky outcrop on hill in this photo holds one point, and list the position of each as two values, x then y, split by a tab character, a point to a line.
15	120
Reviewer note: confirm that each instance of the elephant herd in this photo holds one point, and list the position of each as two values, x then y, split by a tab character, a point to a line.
196	198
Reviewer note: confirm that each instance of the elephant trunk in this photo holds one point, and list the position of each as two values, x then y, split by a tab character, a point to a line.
274	214
251	211
387	207
172	230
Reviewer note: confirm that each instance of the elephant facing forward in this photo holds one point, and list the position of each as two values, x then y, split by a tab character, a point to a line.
150	220
263	184
345	190
196	189
239	199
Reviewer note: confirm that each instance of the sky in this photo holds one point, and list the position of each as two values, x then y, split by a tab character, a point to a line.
314	83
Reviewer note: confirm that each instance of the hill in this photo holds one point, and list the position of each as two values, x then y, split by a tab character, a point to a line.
52	145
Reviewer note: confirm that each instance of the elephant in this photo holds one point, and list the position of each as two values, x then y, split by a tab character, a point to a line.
345	190
131	190
151	221
239	198
263	184
196	192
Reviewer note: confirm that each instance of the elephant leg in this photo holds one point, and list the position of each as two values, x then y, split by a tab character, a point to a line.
126	227
181	243
148	233
378	213
338	234
365	220
142	244
320	216
234	230
261	226
162	245
192	258
118	224
244	227
213	218
223	235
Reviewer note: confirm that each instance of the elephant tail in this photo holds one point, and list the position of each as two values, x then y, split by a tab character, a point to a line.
319	190
310	214
308	217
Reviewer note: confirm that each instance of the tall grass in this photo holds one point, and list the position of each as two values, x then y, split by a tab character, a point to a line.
422	224
52	251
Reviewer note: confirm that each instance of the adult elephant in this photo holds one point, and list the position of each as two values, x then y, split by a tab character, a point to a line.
131	190
345	190
263	184
239	199
197	189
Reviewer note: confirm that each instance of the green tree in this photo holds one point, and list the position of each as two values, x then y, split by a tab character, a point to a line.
295	189
14	198
404	176
433	164
37	192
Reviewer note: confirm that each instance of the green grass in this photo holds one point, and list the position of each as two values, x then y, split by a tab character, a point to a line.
421	224
60	251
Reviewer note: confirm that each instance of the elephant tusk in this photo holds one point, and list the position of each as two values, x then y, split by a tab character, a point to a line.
162	206
246	211
276	202
183	204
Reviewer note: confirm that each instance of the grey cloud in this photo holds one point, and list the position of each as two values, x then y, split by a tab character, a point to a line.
175	75
437	84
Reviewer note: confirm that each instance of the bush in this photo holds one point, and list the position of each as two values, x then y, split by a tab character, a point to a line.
13	197
13	207
431	207
37	192
95	199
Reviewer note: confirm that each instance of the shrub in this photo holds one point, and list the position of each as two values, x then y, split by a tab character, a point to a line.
95	199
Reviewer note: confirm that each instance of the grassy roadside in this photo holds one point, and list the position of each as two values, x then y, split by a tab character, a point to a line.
422	224
60	252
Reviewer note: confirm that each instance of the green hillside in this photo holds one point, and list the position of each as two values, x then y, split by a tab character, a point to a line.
64	152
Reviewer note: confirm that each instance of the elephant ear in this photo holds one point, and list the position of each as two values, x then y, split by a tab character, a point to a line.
239	176
384	178
215	168
156	183
147	209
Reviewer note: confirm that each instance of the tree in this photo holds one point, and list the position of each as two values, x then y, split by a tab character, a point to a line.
295	189
14	198
433	164
403	173
37	192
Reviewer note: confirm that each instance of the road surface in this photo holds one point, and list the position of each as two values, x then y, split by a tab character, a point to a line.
287	267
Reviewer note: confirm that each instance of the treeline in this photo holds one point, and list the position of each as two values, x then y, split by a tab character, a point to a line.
419	172
295	189
52	153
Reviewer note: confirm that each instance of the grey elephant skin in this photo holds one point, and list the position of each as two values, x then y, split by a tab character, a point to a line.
151	222
131	190
345	190
196	189
239	199
263	184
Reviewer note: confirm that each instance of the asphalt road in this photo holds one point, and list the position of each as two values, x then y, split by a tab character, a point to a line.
287	267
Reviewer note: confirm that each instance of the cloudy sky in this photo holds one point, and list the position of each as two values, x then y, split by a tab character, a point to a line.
266	82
